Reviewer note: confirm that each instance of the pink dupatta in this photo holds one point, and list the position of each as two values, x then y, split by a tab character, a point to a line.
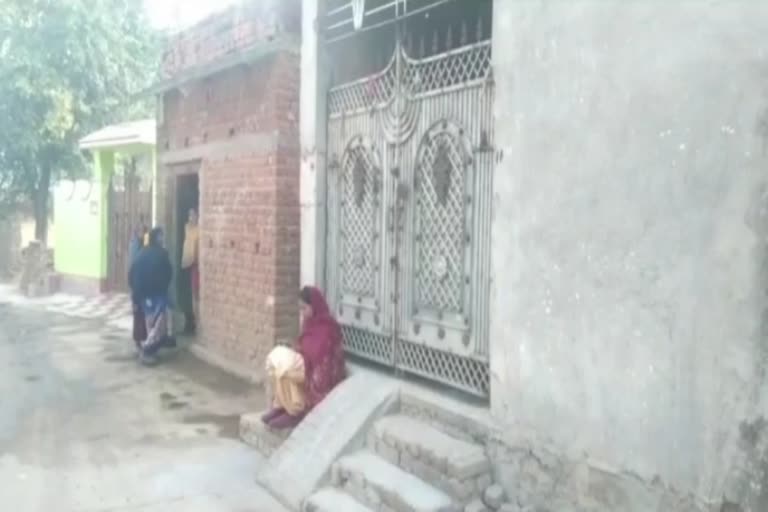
321	345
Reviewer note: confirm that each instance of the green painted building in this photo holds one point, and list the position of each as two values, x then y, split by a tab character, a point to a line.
96	217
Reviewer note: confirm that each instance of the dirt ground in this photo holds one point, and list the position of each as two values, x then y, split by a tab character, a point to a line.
84	427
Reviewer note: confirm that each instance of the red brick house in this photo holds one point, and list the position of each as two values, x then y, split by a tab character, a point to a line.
228	144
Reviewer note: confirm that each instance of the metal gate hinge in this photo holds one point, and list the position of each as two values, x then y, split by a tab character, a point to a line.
485	144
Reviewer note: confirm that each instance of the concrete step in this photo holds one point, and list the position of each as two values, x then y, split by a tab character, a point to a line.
458	467
333	500
255	433
380	484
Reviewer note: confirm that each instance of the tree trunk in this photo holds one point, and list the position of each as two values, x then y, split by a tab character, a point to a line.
41	205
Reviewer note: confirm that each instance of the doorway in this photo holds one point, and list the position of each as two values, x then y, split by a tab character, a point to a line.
187	198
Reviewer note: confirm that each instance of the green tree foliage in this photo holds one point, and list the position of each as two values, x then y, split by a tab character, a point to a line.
67	67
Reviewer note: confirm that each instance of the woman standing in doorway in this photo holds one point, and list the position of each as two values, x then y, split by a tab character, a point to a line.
191	268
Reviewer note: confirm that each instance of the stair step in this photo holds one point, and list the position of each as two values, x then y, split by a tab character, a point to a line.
364	471
456	458
333	500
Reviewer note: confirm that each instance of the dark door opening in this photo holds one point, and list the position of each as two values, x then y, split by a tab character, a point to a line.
187	199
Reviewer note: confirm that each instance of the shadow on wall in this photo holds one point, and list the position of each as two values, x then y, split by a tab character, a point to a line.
747	477
750	477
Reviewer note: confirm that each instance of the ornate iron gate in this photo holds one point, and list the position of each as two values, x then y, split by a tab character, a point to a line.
409	212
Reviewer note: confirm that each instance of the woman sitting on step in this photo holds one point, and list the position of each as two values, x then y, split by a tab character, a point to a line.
319	353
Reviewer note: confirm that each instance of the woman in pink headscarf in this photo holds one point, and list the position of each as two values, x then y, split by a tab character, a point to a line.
321	348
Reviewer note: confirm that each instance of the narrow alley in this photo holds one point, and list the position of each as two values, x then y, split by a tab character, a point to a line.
84	428
391	256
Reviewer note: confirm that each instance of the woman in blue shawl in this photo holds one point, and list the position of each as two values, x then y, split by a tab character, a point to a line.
149	277
135	246
136	243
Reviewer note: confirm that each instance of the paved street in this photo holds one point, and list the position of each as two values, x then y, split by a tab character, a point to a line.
84	428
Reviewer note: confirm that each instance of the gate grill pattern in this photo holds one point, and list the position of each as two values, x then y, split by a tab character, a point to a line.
440	229
359	212
368	344
456	68
409	194
468	374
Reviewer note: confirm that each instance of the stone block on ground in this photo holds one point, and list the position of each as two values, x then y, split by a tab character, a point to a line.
37	274
333	500
254	433
395	488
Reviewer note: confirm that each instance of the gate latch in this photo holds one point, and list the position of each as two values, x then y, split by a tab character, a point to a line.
402	200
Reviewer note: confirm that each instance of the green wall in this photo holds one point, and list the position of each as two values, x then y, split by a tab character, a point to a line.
81	222
82	216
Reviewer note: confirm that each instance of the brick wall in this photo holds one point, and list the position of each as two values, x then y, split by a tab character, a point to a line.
238	28
249	201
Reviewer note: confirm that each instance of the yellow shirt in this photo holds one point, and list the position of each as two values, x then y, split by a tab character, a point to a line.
285	368
191	242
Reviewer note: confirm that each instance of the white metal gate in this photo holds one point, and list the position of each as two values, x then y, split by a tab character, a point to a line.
409	212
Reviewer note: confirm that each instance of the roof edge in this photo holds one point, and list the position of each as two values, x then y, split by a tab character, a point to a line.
283	43
140	132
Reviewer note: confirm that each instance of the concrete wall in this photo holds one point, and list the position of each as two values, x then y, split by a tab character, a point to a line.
630	256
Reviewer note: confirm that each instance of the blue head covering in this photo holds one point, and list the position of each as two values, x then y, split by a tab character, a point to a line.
156	237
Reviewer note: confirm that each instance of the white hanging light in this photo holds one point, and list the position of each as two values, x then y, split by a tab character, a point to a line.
358	13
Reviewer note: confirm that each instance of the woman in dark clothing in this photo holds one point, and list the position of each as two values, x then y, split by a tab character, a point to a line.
149	277
139	323
137	242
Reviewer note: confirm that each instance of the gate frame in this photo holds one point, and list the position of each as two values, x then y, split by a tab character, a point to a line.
315	85
315	81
